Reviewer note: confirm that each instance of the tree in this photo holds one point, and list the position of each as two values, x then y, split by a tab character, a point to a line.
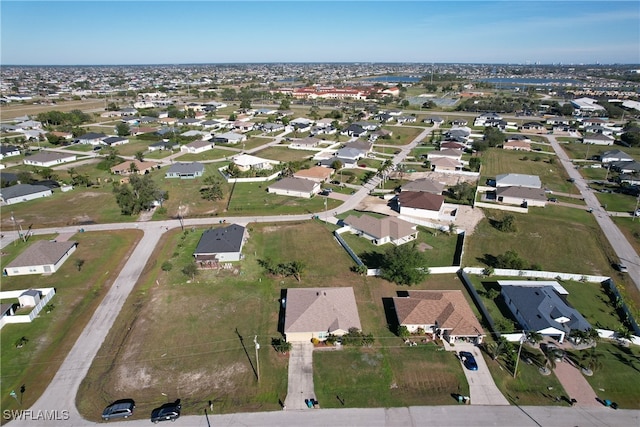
122	129
592	360
493	136
404	265
139	156
212	190
534	337
336	165
463	192
190	270
474	164
510	259
79	263
138	195
507	224
403	332
285	104
295	269
245	103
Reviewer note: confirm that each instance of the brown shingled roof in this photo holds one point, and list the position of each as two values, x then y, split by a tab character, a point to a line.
321	309
448	309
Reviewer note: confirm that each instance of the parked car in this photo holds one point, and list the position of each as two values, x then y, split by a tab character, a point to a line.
167	412
553	199
468	360
622	268
119	409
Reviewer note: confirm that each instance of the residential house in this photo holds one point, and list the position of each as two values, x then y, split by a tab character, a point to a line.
517	145
453	145
319	312
91	138
597	139
229	138
113	141
442	314
196	147
518	180
222	244
558	121
8	151
588	106
521	196
201	135
379	231
41	257
22	193
541	309
48	159
134	167
420	204
189	122
315	173
185	170
164	145
625	167
487	119
445	164
615	156
242	126
272	127
244	162
533	127
354	130
296	187
425	185
306	143
434	120
405	119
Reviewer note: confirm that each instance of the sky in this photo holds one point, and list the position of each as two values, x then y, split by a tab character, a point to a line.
187	32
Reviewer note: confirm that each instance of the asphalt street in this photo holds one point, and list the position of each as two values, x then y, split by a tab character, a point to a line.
623	249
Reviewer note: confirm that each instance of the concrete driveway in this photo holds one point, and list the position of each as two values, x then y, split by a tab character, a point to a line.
300	376
482	388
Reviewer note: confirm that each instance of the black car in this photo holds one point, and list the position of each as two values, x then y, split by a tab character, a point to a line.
167	412
119	409
468	360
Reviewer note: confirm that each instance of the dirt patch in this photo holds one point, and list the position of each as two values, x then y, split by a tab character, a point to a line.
424	247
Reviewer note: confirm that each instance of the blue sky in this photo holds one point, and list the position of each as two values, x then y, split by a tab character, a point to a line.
174	32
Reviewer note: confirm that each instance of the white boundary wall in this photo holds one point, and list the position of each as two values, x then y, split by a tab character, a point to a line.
47	294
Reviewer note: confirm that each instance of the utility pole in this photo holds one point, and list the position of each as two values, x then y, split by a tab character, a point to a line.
255	341
515	371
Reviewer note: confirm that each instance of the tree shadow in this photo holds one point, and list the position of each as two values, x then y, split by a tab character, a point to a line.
494	223
488	259
281	314
372	259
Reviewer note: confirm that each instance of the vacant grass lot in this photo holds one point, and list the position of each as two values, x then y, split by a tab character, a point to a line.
578	150
284	154
252	198
439	248
554	237
76	207
51	335
213	154
630	227
497	161
617	202
402	135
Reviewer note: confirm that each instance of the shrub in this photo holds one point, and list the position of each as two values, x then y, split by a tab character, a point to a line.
166	266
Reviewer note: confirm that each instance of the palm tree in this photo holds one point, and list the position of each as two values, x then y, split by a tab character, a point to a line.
592	361
534	337
623	334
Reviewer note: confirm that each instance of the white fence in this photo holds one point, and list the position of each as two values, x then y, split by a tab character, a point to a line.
539	274
501	207
47	294
602	333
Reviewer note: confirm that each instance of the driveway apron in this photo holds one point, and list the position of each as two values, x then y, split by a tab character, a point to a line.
300	376
482	388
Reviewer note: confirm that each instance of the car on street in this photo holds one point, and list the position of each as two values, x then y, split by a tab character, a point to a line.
622	268
166	412
468	360
553	199
119	409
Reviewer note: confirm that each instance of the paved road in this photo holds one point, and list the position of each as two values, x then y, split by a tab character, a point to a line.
625	252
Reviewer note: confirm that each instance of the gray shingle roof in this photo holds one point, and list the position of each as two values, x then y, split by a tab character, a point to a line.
21	190
221	240
42	252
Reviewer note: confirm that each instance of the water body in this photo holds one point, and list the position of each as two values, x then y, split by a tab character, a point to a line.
393	79
508	81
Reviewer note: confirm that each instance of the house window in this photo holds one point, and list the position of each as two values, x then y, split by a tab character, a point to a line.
323	335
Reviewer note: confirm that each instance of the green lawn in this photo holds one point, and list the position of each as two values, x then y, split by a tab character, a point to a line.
439	247
284	154
402	135
554	237
51	335
252	199
594	303
617	379
388	377
594	173
617	202
497	161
